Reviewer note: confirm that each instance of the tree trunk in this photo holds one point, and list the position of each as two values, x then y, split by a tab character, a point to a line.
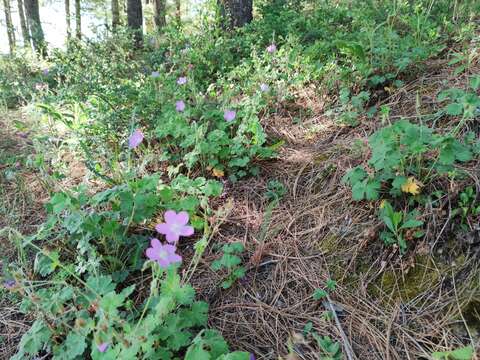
135	20
160	13
239	11
33	20
9	23
67	18
178	11
23	24
115	14
78	19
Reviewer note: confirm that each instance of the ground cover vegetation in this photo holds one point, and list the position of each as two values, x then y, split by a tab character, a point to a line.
297	183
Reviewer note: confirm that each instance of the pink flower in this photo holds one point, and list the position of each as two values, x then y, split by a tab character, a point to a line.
180	106
135	139
103	347
271	48
164	255
175	225
264	87
229	115
182	80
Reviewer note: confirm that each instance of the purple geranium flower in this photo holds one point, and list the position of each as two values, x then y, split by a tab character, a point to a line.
229	115
264	87
135	139
103	347
164	255
252	356
175	225
155	74
182	80
180	106
271	48
9	284
45	71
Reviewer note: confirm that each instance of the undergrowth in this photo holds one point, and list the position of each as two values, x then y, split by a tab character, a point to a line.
162	129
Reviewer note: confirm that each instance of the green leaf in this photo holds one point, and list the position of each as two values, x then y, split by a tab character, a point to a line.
475	82
213	188
73	346
196	352
331	284
354	176
319	294
45	265
465	353
101	285
399	181
412	223
454	109
35	338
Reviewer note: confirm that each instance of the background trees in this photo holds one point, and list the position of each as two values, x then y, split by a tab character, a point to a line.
35	26
23	23
115	14
78	19
22	17
239	11
135	19
9	24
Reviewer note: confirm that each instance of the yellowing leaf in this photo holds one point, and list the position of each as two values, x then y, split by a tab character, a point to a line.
411	186
382	204
218	173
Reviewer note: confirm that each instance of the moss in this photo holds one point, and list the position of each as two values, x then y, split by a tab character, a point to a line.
320	158
328	244
409	284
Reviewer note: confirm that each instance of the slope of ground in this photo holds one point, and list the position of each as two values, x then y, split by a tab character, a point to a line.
386	306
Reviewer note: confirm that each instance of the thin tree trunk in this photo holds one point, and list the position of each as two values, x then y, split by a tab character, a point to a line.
23	24
135	20
178	11
67	18
33	20
160	13
9	23
115	14
78	19
239	11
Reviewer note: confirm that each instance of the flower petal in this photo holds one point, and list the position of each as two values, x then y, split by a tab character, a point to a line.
162	228
186	231
135	139
152	254
174	258
102	347
172	237
170	216
163	263
182	218
155	243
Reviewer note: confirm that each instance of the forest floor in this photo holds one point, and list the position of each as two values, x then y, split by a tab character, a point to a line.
22	197
384	306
